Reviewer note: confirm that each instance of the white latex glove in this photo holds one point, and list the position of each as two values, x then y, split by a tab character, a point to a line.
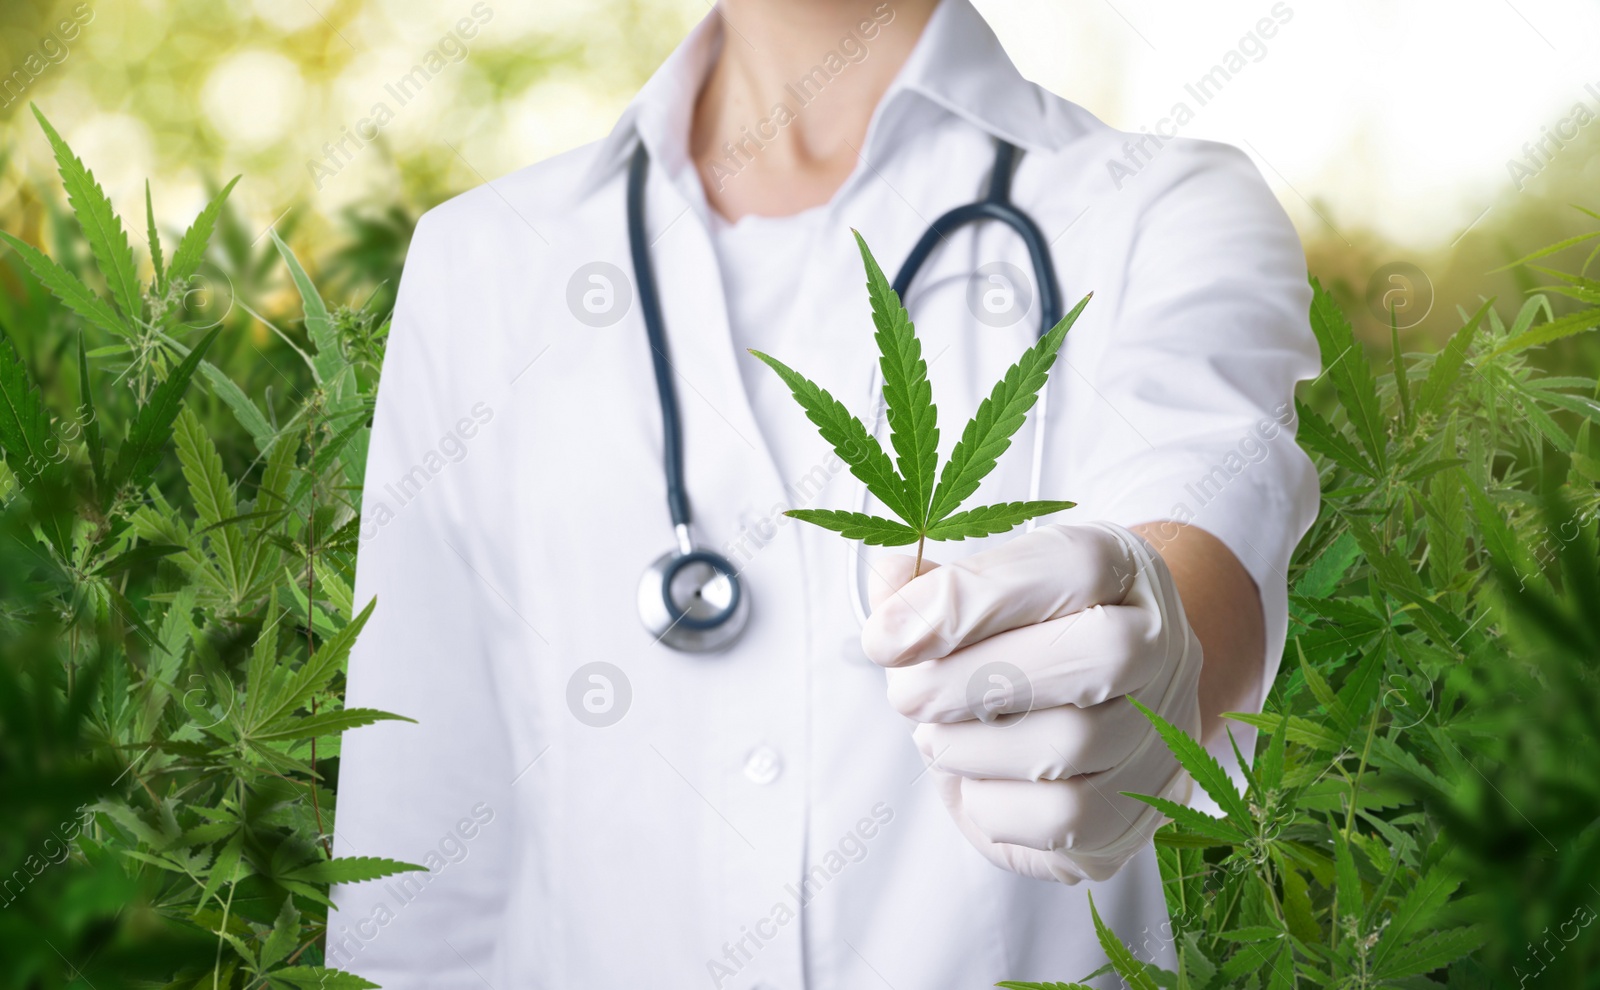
1016	662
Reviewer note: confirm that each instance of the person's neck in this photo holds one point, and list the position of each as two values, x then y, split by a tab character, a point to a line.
785	107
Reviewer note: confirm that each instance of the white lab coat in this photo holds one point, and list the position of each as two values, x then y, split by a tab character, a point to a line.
761	818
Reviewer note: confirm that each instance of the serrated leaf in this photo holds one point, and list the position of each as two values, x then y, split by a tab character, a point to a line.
999	416
91	422
1321	437
907	393
1446	370
191	248
1431	951
326	723
1202	766
1199	822
107	240
329	360
209	487
989	519
1302	731
320	978
1346	365
1349	899
152	427
315	672
350	869
284	937
24	421
68	288
858	526
1132	971
223	869
155	240
1565	326
143	553
847	436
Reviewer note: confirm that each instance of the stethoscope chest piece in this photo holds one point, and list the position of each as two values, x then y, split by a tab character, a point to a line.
693	601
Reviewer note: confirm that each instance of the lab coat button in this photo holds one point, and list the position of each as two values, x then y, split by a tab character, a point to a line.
763	765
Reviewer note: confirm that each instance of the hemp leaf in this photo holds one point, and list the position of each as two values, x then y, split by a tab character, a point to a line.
906	485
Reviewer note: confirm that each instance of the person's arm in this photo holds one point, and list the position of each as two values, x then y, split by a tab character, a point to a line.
1224	609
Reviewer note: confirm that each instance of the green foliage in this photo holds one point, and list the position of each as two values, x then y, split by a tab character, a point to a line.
1422	812
177	528
201	619
906	487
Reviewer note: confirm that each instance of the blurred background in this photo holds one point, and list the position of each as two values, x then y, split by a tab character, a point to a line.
1451	136
1421	148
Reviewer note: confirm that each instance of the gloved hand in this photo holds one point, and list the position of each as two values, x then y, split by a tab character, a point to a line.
1016	662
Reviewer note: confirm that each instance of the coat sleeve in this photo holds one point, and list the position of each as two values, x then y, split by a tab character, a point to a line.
434	793
1197	378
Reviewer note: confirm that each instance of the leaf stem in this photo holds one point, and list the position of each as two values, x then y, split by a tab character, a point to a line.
917	570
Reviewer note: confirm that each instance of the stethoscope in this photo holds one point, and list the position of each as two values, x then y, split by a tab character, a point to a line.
691	599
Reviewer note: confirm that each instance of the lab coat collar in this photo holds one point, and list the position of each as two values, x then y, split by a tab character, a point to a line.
957	63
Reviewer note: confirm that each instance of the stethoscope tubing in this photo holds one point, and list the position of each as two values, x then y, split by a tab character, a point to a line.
996	205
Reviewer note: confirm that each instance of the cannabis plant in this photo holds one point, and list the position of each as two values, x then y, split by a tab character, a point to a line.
926	511
1424	811
202	620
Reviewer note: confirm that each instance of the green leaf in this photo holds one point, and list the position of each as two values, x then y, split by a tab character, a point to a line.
68	288
101	227
91	422
329	360
223	868
285	935
202	468
140	554
244	410
151	429
1431	951
351	869
192	246
1345	364
315	672
990	519
849	439
1302	731
858	526
24	421
154	238
1198	822
1446	370
1565	326
1348	897
1202	766
1402	383
1132	971
1322	437
327	723
998	418
907	393
319	978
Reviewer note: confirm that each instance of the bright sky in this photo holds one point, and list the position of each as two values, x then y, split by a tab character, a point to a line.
1399	116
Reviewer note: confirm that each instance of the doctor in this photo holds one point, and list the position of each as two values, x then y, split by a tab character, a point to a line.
816	804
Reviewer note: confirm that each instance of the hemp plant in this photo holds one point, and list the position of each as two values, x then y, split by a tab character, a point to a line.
926	510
